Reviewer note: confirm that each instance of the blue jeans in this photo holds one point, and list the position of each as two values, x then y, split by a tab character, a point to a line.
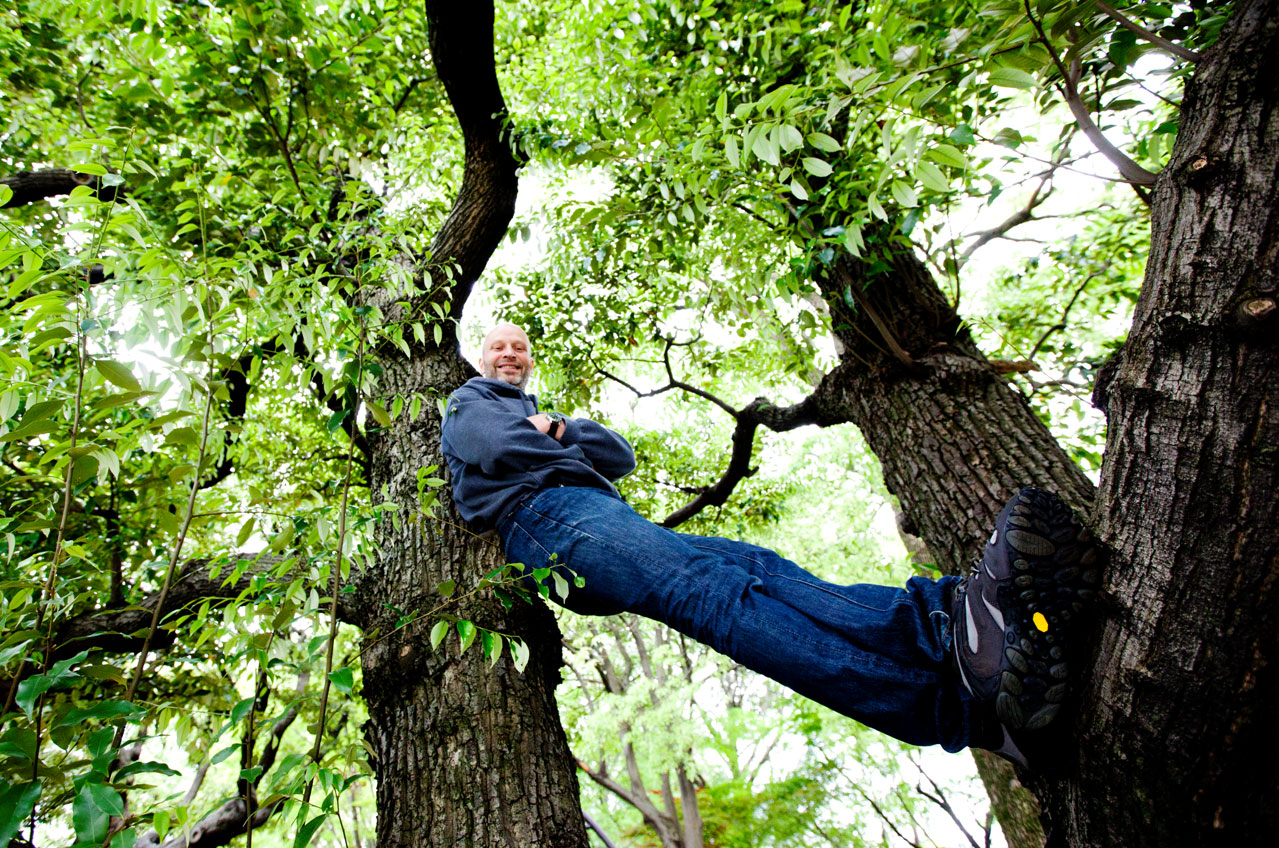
875	653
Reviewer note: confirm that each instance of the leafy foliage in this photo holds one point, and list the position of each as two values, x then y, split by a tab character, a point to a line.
190	363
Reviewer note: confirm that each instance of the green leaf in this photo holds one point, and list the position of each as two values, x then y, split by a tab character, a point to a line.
146	767
816	167
241	710
100	710
160	821
246	530
43	409
519	654
764	150
492	644
343	680
789	137
182	436
307	831
223	754
16	803
336	419
963	134
106	798
931	176
379	414
1008	137
823	142
876	208
945	154
88	818
903	194
6	194
437	633
118	374
731	152
33	687
26	431
466	630
446	588
1011	78
561	585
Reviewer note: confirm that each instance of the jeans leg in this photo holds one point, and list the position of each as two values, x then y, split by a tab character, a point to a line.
875	653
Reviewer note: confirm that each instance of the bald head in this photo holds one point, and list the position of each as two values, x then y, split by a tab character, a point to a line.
507	355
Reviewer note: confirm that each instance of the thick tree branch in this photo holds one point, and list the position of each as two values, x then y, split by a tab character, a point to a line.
33	186
739	468
123	630
820	407
232	819
461	39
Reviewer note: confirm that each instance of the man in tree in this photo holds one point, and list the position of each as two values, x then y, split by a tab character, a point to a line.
979	662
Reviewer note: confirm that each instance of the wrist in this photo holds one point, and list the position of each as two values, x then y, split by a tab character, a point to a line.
559	425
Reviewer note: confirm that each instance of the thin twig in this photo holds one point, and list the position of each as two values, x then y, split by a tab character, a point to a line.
1061	323
189	513
333	601
1128	168
940	800
1154	38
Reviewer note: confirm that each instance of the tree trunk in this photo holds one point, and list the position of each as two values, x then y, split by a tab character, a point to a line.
465	755
1179	729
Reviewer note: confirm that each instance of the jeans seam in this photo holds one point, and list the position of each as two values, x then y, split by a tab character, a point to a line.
642	557
776	576
533	539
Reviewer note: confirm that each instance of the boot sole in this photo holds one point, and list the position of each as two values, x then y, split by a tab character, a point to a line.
1056	573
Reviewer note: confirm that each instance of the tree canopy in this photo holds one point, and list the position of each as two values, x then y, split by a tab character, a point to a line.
237	240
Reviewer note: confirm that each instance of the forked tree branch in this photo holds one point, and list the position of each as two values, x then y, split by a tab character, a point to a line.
1128	168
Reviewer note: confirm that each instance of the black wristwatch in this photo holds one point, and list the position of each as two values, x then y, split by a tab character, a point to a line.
557	418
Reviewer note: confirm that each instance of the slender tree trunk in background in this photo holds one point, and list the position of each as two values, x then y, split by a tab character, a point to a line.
1179	734
955	440
465	755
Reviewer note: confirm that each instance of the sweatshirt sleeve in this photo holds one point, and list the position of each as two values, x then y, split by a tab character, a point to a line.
608	452
487	433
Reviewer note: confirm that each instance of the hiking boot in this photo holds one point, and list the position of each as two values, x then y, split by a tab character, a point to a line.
1012	615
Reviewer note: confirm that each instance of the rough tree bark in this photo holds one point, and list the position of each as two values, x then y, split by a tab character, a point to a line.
1172	723
465	755
1178	731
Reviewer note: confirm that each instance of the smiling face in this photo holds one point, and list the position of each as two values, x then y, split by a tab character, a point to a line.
507	356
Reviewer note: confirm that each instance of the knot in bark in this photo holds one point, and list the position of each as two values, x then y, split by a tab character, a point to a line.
1255	313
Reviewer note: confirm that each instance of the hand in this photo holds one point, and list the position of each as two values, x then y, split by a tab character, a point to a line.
544	424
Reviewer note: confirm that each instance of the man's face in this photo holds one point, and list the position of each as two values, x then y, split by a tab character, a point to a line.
507	356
